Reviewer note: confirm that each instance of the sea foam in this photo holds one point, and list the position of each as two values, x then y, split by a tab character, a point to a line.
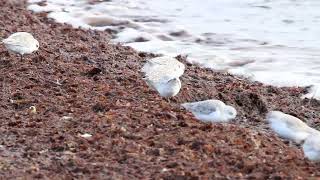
270	41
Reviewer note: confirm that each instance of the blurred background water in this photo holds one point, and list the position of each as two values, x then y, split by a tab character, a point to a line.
273	41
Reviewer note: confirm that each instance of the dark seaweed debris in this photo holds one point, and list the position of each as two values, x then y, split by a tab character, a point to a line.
81	84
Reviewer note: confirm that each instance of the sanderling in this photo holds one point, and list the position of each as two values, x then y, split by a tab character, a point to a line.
162	74
289	127
311	147
21	43
166	88
163	65
211	111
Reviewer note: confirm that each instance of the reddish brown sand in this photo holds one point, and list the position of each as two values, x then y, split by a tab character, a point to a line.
135	133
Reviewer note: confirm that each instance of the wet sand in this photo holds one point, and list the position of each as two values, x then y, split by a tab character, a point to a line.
81	84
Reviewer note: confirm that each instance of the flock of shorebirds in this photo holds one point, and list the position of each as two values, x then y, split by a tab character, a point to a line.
163	75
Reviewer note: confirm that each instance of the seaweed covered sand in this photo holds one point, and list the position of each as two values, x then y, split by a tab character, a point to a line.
80	83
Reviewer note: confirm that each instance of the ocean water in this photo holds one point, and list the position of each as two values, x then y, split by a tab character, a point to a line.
276	42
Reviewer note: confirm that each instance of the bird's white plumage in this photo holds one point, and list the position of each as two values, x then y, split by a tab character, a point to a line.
166	88
289	127
163	68
311	147
211	111
21	43
162	74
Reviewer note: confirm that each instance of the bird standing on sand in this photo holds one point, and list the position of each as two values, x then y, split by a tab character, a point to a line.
21	43
289	127
311	147
162	74
211	111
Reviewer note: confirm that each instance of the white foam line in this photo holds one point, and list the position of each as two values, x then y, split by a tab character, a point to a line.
276	37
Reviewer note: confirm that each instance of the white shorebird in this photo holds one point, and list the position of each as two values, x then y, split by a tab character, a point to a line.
162	74
21	43
311	147
289	127
211	111
164	65
166	88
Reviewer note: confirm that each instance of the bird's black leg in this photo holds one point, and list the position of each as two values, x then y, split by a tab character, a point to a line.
20	57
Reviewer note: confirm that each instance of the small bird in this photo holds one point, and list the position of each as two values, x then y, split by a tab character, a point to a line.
211	110
162	74
166	88
289	127
21	43
164	65
311	147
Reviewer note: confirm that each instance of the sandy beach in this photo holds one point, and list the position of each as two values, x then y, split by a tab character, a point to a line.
80	83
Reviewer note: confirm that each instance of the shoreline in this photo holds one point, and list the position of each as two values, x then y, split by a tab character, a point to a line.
135	133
